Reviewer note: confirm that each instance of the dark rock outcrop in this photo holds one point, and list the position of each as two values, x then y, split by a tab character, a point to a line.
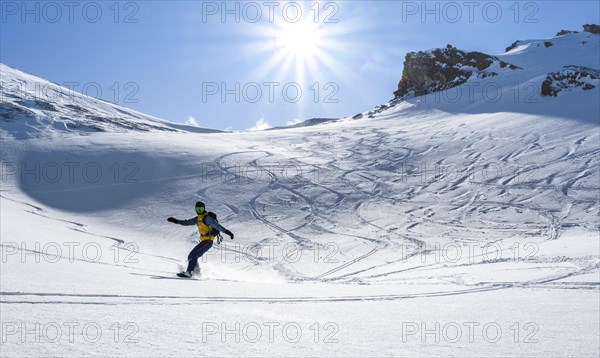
378	109
564	32
38	104
512	46
592	29
10	112
568	78
440	69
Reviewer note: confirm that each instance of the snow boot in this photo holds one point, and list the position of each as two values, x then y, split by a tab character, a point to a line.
185	274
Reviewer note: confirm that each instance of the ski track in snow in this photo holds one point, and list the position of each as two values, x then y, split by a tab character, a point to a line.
189	300
367	186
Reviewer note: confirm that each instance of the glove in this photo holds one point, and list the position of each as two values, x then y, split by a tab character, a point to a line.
172	220
227	232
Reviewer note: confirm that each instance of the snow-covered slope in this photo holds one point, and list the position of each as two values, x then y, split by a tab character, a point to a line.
420	229
31	106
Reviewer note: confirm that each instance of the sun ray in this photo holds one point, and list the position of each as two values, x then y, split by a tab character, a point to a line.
309	54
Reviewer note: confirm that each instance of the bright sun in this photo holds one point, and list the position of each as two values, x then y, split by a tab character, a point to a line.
300	51
299	40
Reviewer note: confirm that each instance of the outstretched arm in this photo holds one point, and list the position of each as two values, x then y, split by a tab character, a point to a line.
210	221
188	222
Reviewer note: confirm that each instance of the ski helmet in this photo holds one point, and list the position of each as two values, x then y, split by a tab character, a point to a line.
200	207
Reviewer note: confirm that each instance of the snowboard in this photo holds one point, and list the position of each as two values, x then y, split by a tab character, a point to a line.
195	275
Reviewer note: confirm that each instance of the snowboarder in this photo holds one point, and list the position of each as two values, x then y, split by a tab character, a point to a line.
208	227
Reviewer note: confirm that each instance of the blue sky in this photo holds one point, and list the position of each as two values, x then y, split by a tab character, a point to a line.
237	65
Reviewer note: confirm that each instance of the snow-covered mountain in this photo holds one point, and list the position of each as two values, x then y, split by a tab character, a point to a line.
524	62
431	225
31	106
556	76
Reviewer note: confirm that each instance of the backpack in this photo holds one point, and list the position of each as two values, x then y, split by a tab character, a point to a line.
213	231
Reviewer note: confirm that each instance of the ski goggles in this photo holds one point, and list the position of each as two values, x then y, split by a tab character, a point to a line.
200	209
